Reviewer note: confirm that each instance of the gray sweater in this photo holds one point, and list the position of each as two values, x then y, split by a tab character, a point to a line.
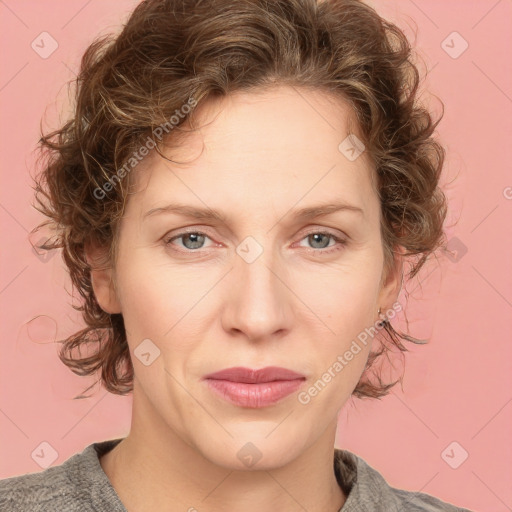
80	485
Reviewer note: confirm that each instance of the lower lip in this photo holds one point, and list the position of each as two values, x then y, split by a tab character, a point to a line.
254	395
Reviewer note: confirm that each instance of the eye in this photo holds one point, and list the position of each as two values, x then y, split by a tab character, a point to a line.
320	240
191	239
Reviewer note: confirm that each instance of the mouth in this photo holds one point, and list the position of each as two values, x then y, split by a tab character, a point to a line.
254	388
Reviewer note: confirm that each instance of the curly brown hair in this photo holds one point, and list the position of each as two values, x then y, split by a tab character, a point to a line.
172	50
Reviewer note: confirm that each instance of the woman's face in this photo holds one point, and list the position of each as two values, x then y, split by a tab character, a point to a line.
263	286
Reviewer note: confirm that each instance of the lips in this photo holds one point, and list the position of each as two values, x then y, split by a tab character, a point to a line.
244	387
248	376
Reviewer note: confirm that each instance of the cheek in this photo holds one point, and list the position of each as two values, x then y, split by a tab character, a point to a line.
343	300
160	301
343	296
146	294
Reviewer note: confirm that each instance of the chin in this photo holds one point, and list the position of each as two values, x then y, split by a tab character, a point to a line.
252	451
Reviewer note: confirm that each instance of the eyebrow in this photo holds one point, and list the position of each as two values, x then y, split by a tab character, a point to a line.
310	212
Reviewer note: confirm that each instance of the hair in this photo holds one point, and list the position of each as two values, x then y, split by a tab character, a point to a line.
170	51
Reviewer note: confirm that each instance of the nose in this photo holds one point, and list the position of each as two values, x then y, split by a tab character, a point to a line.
258	300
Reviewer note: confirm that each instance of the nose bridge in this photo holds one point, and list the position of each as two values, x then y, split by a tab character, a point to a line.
259	301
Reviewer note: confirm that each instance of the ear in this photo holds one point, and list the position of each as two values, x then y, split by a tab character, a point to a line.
391	283
102	278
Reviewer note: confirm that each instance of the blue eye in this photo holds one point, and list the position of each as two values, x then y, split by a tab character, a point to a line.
193	241
315	237
194	238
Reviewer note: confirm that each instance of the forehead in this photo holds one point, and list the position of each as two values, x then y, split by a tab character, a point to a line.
261	148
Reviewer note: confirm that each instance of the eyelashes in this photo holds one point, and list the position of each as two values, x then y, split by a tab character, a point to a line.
196	239
339	242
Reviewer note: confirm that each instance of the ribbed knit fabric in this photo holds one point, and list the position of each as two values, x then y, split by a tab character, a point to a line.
80	485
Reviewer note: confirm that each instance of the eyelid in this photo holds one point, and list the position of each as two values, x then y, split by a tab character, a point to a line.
340	239
326	230
203	230
169	237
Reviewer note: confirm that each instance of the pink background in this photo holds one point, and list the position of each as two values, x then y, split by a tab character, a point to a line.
456	389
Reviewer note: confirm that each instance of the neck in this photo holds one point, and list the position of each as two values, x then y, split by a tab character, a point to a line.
154	467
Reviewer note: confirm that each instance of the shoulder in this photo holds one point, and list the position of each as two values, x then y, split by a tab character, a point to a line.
34	491
76	485
422	502
370	491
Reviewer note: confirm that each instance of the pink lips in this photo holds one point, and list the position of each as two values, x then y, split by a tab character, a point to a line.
254	388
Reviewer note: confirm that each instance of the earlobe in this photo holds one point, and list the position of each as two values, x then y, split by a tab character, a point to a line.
102	279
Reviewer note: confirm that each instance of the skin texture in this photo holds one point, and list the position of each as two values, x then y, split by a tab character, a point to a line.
206	308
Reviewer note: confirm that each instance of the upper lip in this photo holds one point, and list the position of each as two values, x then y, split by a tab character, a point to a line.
247	375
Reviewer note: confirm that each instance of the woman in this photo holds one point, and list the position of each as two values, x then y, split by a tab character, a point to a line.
236	196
